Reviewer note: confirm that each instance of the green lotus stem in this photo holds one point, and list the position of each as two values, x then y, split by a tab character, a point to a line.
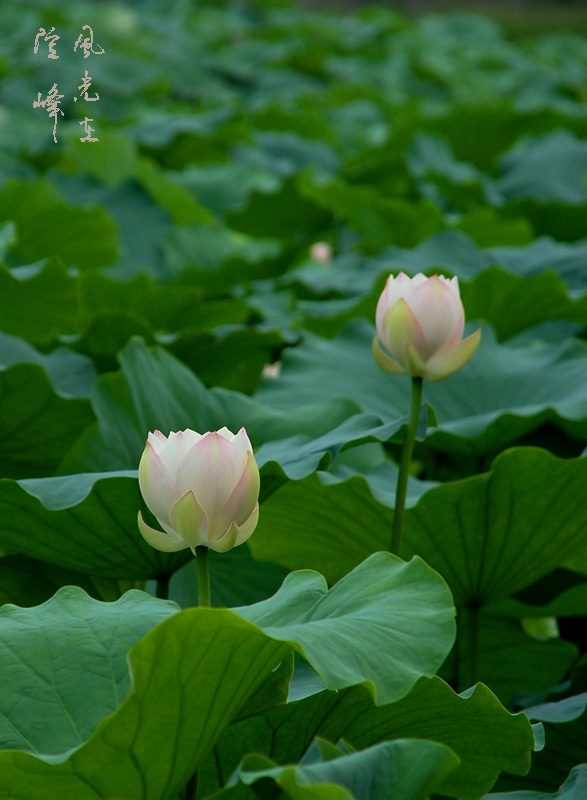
473	644
203	576
468	652
404	467
201	552
191	787
162	589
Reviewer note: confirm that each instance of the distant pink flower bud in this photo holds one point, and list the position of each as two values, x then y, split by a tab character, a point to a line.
202	488
272	370
322	252
420	324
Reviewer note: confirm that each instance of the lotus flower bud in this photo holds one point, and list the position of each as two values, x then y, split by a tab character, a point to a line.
321	252
202	488
420	324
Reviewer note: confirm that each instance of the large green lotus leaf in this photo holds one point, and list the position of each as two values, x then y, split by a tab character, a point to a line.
404	769
369	462
155	391
189	678
453	252
235	579
385	624
232	360
485	737
48	226
565	746
167	307
206	248
182	206
568	600
358	125
565	710
71	374
356	456
494	534
508	658
574	788
38	302
299	456
490	535
481	408
462	187
112	163
273	692
39	424
192	136
41	302
157	129
223	188
481	132
547	168
380	221
327	317
77	532
85	522
142	225
349	275
430	157
52	650
161	306
510	303
286	153
24	133
26	582
237	66
554	219
111	313
545	253
285	214
107	333
488	228
514	654
331	526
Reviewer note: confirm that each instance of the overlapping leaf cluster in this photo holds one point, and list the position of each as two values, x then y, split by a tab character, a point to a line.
167	277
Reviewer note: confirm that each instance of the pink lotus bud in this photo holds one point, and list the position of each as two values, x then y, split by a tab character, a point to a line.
420	324
272	370
203	489
322	252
